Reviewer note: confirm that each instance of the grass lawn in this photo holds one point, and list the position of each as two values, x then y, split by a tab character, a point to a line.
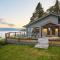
26	52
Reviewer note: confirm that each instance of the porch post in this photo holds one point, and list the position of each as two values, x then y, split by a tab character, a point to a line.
41	32
59	31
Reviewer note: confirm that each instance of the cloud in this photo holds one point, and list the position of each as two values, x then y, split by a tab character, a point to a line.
2	21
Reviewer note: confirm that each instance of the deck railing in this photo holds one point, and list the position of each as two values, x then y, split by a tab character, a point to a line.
18	37
14	37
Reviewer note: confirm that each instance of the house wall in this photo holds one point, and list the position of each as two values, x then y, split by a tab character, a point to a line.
49	19
29	32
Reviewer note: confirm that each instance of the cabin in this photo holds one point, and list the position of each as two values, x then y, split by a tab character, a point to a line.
46	26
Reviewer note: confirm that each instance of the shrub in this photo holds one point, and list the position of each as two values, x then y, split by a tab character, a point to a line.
2	42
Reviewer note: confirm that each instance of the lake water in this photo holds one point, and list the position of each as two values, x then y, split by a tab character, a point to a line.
2	33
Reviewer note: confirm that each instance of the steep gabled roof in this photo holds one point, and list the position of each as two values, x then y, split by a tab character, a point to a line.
41	18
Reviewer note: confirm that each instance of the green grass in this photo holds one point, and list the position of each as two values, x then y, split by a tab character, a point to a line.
26	52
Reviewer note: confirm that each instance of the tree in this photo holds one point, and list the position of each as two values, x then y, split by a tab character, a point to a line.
38	12
55	8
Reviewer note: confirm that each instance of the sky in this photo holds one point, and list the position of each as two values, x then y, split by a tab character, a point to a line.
17	13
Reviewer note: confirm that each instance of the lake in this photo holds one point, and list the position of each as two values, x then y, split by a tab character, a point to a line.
6	30
2	33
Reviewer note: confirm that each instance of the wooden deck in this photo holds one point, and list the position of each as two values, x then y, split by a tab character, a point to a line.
12	37
15	41
19	40
55	42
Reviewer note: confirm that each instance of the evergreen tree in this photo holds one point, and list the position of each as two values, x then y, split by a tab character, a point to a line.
38	12
55	8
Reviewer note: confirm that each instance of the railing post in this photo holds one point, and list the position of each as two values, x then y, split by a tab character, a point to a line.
20	34
15	34
9	35
5	37
24	34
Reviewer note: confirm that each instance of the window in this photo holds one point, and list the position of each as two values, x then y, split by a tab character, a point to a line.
58	20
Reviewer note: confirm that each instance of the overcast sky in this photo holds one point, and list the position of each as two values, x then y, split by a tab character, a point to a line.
18	12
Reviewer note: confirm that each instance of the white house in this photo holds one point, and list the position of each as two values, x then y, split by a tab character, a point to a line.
46	26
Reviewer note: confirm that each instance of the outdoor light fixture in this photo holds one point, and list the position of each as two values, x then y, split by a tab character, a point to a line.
49	29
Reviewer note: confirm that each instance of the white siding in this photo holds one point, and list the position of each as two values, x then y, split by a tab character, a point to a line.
49	19
29	31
